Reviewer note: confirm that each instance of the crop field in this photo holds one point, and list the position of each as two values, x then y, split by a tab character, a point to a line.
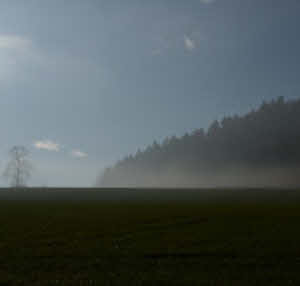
109	238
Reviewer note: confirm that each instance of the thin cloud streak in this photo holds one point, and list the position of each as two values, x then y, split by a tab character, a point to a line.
78	154
14	42
207	1
47	145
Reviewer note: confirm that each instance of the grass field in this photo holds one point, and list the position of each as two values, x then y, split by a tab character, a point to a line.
220	240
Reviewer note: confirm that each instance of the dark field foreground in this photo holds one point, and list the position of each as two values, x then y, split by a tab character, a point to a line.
249	237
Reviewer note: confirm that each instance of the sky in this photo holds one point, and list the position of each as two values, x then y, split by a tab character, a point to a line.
84	83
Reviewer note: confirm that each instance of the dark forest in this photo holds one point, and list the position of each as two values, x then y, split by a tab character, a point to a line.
258	149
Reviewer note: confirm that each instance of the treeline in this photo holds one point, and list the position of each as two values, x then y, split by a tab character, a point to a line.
258	148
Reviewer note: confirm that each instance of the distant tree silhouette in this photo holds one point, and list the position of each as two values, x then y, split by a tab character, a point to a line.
268	137
19	168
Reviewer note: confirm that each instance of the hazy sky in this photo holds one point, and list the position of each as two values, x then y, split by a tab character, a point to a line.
83	83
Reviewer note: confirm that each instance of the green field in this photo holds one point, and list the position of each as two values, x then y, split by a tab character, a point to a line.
150	242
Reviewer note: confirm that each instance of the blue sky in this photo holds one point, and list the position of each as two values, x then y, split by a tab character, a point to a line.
83	83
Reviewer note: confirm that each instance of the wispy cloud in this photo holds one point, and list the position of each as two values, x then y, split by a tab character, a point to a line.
14	42
22	59
17	55
189	43
47	145
78	154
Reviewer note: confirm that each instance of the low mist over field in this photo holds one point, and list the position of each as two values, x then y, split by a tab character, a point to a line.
235	177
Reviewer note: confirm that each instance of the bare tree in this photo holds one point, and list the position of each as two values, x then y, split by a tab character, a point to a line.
19	168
